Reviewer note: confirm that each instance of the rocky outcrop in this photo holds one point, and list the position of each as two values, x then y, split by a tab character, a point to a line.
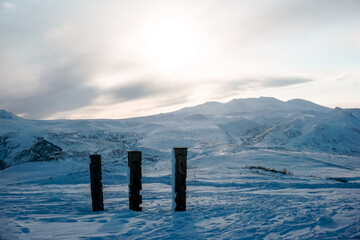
40	151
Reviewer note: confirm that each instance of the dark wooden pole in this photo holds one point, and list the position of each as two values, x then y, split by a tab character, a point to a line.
179	178
96	185
134	163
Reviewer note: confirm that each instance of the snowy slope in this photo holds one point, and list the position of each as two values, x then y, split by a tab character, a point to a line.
295	125
45	190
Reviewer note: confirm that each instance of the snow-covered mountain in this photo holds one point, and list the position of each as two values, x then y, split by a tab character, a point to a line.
257	169
265	123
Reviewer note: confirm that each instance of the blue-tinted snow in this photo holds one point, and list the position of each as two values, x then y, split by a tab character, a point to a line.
226	199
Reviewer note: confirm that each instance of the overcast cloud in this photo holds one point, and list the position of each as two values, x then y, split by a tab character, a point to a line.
63	59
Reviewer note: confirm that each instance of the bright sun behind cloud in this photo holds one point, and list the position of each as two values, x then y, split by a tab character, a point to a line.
85	59
170	44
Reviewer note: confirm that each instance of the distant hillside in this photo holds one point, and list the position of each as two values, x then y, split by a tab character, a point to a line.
295	125
8	115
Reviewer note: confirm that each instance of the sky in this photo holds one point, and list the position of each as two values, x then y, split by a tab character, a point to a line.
117	59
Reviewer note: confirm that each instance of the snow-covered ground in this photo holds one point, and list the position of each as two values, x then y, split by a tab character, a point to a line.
45	192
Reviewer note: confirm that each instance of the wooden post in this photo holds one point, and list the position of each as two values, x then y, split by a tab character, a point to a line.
96	185
134	175
179	169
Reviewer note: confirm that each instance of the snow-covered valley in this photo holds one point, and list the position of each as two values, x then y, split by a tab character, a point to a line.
45	191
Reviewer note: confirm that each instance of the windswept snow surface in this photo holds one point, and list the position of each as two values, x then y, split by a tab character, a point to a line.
45	190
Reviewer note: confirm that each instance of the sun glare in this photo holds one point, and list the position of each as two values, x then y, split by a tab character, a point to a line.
170	45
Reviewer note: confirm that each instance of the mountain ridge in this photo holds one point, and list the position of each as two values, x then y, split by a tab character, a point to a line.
296	102
257	123
8	115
